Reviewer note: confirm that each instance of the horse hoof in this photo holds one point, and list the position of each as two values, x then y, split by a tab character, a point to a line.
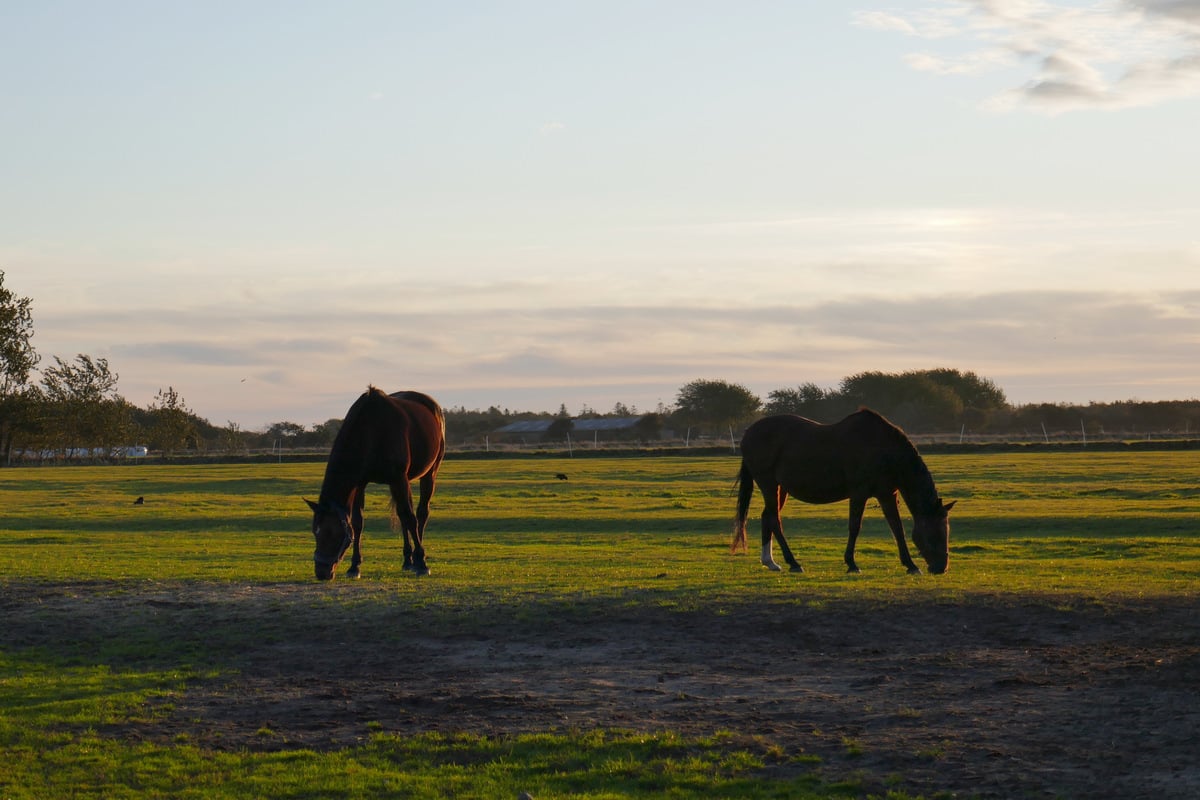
914	570
797	568
352	573
853	571
773	567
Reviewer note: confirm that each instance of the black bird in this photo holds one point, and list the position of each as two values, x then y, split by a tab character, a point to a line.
139	501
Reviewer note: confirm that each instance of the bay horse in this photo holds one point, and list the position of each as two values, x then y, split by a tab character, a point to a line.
862	457
393	439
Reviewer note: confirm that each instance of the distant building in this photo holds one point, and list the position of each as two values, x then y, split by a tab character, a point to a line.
643	427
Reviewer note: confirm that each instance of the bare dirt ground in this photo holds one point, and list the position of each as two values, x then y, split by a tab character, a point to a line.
994	697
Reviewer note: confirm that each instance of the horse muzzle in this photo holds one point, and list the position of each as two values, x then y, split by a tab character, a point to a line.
324	568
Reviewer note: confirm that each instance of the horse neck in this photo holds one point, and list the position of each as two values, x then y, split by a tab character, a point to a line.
916	486
338	486
341	475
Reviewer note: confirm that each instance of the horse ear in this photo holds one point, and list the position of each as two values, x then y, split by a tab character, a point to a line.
311	505
947	506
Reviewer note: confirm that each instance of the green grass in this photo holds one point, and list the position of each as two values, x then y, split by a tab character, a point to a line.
508	539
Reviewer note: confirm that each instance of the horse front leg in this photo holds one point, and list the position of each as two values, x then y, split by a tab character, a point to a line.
857	507
891	512
356	528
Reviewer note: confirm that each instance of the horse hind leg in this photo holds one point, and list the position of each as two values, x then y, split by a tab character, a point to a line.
768	531
414	550
772	528
427	483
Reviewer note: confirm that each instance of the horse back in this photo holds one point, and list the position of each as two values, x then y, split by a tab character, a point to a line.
384	435
818	463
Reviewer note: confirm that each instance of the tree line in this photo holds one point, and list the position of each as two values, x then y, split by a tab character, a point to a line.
72	408
930	401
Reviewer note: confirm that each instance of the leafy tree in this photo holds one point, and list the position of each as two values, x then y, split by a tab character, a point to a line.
81	407
233	439
285	430
807	400
173	423
325	432
926	399
649	427
17	356
715	404
913	400
974	391
17	360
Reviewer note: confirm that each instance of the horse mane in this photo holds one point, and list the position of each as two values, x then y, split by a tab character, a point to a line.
345	433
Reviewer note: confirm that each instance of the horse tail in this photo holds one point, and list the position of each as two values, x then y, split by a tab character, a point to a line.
745	492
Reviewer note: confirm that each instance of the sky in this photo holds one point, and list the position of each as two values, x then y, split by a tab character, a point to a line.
270	205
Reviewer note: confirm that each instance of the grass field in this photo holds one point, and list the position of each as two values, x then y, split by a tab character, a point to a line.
117	611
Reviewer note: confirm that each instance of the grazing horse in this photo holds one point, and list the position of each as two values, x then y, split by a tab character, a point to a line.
861	457
393	439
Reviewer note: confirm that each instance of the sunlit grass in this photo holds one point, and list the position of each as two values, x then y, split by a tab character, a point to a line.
1100	522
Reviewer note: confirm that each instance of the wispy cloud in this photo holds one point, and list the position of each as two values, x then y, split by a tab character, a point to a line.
1038	345
1106	55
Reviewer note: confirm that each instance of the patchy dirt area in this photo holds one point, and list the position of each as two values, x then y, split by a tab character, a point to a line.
996	697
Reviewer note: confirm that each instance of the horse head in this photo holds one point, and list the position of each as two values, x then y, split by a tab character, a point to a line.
931	535
333	533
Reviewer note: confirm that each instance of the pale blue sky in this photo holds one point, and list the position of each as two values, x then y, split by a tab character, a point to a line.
268	205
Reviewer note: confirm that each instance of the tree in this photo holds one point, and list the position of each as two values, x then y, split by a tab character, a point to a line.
233	439
17	356
285	430
17	360
808	400
649	427
974	391
913	400
173	422
562	425
715	404
324	433
81	407
927	399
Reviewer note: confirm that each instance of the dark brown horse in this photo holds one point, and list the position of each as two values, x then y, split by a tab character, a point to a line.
861	457
393	439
